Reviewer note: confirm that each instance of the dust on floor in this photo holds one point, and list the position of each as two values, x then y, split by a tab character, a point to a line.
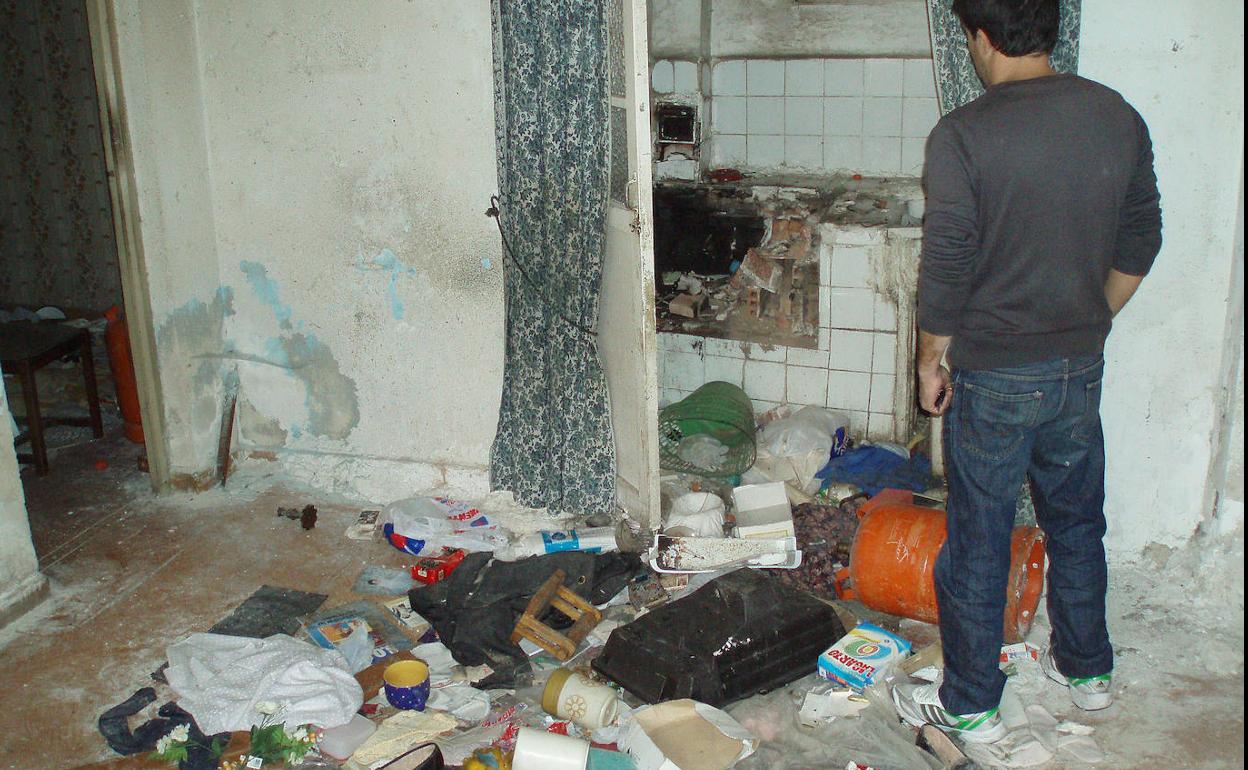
132	573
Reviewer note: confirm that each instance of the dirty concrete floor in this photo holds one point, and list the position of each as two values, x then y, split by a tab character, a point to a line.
132	573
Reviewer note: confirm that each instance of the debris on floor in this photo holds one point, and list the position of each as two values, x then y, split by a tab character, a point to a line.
748	632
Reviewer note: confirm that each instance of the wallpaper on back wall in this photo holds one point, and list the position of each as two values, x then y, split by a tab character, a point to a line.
956	81
56	227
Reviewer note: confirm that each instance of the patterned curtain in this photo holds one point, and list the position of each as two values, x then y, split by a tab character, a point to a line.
554	445
956	81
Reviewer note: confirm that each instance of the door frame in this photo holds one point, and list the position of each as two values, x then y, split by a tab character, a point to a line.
135	289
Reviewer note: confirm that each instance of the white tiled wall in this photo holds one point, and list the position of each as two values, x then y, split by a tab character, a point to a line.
867	116
854	368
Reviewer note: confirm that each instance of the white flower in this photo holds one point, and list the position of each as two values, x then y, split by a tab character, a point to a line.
301	734
181	733
267	707
162	745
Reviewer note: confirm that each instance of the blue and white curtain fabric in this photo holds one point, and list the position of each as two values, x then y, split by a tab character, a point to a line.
554	446
956	81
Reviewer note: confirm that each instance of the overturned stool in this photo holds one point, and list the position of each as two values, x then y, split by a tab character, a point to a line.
554	593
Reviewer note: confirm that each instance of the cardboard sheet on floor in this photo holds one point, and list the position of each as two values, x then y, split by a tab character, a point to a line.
686	735
269	610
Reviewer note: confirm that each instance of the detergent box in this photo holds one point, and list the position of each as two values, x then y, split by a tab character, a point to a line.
861	654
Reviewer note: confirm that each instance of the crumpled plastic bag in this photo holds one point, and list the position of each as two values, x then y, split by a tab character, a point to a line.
221	679
699	514
425	524
810	429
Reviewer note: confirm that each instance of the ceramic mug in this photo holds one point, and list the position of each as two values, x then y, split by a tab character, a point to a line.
407	684
571	695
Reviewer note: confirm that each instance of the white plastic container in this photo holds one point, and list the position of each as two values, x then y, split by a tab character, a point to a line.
538	750
593	540
342	741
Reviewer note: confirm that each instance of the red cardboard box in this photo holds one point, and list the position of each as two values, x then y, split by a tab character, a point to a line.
431	569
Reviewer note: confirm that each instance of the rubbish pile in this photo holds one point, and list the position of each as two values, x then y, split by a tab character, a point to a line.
762	626
775	282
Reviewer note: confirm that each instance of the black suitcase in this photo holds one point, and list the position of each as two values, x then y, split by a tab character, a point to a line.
744	633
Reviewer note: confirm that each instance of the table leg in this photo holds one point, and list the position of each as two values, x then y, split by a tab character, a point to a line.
34	420
88	377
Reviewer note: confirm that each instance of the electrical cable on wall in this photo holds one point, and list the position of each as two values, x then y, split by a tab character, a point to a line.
508	253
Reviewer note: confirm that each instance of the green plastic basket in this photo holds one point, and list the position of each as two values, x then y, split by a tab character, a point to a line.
719	410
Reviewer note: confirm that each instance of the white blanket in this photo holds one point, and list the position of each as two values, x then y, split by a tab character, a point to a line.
221	679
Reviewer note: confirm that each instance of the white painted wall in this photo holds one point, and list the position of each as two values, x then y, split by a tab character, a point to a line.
332	163
779	28
1182	66
160	84
19	568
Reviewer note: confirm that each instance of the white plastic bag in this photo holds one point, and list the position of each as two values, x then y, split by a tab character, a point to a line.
700	514
811	429
429	523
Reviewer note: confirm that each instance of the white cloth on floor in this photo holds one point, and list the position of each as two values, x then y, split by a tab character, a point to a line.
220	680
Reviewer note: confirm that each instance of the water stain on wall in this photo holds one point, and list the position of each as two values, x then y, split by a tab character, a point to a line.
333	405
387	262
188	334
331	400
259	429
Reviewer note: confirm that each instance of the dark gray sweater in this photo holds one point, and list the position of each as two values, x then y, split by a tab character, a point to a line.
1035	191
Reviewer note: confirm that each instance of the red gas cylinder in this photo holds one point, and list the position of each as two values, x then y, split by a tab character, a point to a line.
894	554
117	342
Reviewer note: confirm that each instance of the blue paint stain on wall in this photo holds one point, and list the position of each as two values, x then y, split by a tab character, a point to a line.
266	289
387	262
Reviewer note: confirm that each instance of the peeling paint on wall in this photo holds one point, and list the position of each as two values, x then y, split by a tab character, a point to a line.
259	429
266	288
333	406
330	396
188	343
387	262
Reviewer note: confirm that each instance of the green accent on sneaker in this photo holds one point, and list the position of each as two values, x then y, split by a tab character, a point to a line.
1087	680
972	721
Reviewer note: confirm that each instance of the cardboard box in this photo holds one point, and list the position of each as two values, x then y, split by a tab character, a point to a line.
762	511
431	569
861	655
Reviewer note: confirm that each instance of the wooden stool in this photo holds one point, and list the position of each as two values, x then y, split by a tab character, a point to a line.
553	593
27	347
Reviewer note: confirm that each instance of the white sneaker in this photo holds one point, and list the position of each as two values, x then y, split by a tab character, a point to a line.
1090	693
919	704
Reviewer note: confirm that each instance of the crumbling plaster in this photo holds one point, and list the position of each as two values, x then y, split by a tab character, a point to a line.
1182	66
340	158
780	28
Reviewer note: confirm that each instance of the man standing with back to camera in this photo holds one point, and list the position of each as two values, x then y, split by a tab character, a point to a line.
1042	218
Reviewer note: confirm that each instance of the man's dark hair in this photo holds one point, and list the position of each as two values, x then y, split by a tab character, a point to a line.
1015	27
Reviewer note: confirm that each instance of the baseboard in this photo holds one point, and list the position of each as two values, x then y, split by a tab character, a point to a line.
377	479
22	598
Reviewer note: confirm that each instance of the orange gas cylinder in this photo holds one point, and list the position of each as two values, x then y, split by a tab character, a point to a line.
894	554
117	342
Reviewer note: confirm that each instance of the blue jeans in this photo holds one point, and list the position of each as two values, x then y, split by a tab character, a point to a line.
1039	420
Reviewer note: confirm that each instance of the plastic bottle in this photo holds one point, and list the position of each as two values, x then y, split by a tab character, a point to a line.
592	540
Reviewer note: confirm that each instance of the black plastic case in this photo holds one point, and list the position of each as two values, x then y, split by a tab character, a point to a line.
744	633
